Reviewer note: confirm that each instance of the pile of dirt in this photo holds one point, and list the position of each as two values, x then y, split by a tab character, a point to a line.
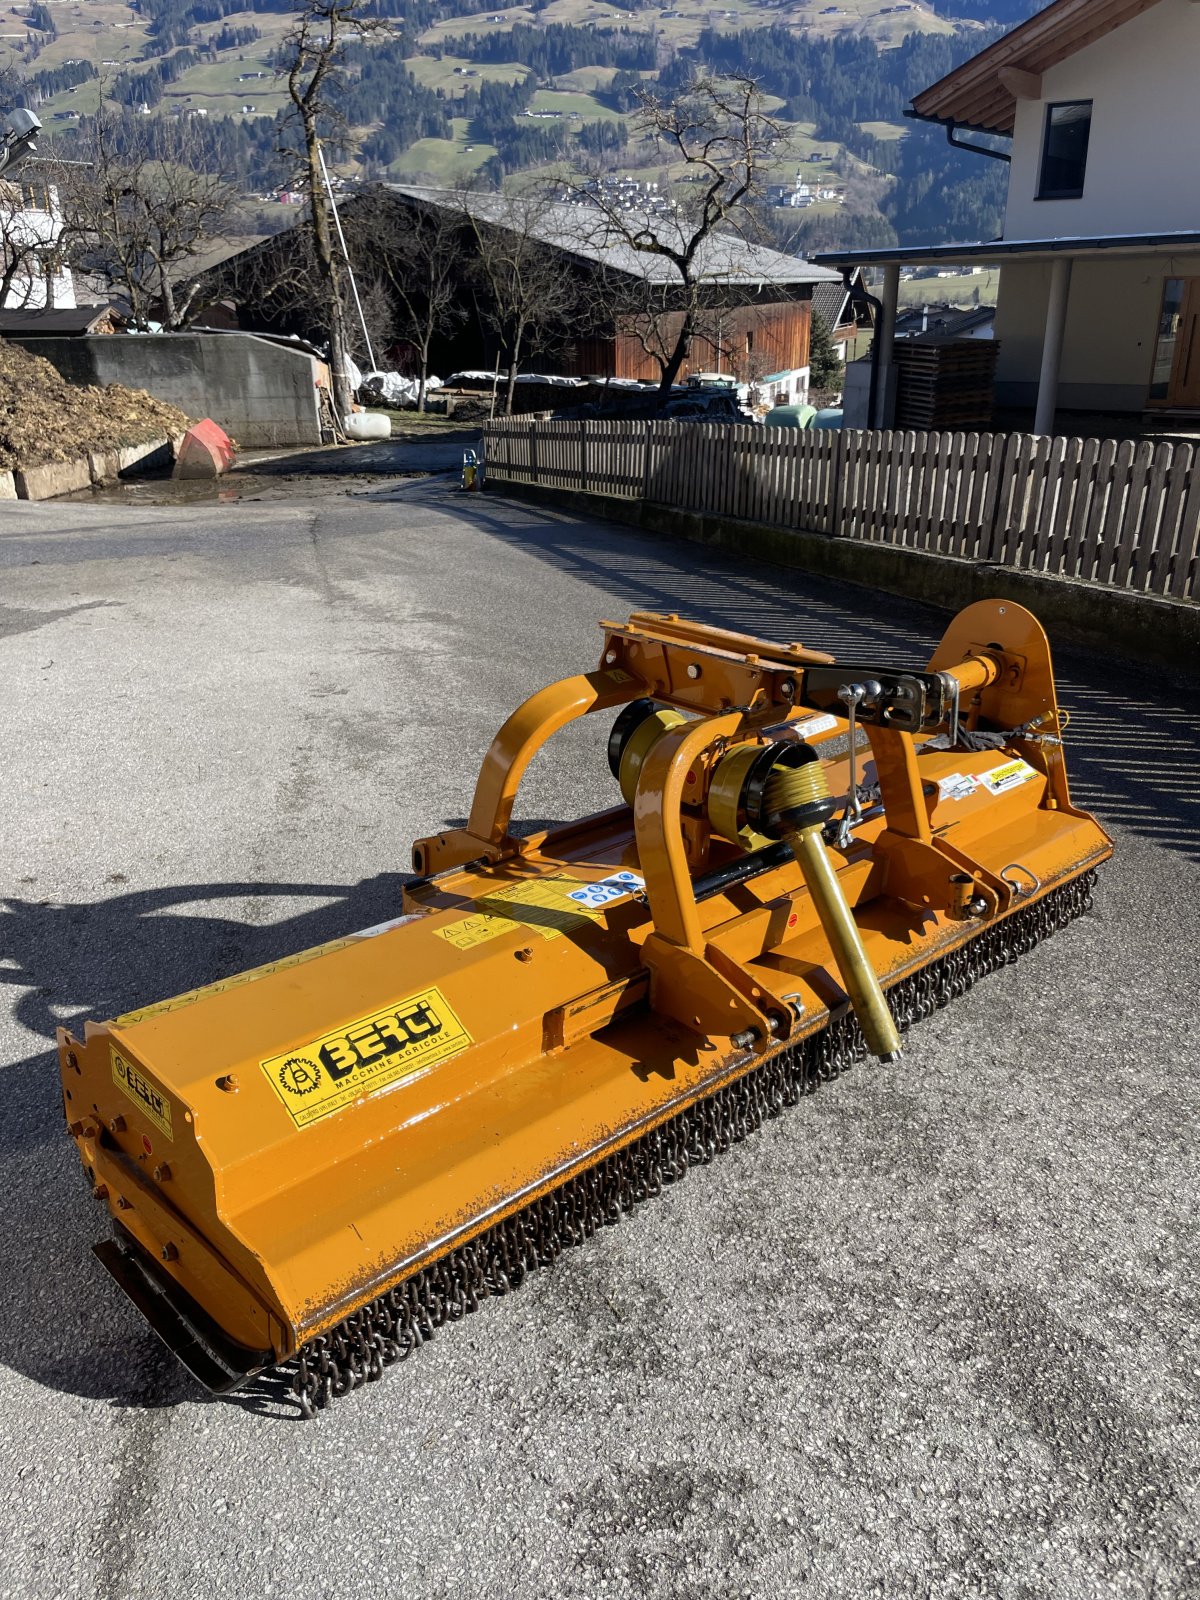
45	418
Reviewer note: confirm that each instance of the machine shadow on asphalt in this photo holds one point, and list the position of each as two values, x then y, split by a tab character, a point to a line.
104	957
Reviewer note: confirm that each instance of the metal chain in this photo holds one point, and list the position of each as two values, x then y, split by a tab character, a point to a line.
398	1322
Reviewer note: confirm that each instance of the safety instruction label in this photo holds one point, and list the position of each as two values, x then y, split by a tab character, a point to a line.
543	906
957	786
616	887
1012	773
371	1054
143	1091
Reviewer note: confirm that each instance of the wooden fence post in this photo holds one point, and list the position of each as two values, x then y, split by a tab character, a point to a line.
583	474
533	461
647	458
993	510
837	486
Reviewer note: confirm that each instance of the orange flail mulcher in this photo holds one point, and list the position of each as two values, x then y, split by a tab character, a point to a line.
320	1161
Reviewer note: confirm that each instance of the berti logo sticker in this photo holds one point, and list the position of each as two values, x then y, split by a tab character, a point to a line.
333	1071
146	1096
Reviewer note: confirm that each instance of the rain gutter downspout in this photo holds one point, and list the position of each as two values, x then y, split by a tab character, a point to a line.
952	128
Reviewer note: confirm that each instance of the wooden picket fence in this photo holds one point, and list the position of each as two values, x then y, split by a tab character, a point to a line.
1123	513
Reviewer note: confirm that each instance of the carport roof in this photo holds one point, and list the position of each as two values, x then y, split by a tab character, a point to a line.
1000	250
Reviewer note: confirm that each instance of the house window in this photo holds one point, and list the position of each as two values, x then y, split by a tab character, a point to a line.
1064	150
750	343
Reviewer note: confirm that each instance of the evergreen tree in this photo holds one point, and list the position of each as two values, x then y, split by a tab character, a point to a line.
824	361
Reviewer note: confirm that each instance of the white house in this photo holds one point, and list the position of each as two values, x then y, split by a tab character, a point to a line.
1099	298
33	274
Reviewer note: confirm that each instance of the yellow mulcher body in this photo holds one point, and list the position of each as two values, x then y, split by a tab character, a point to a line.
326	1157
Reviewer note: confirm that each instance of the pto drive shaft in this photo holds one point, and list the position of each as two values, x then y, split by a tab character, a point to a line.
797	803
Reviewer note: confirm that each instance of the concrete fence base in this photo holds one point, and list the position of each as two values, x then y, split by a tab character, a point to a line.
1142	627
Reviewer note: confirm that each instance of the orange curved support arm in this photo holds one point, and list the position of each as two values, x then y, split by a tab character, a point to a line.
526	731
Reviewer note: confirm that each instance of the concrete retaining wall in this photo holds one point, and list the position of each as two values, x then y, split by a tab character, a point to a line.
262	394
52	478
1141	627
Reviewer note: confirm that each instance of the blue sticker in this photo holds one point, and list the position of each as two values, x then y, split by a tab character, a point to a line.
616	887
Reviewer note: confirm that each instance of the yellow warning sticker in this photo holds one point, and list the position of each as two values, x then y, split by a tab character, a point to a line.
542	906
372	1054
143	1091
1012	773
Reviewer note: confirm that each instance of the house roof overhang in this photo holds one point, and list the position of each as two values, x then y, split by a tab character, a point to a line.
996	251
982	94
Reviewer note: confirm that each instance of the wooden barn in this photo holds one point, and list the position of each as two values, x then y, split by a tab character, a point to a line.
753	304
755	301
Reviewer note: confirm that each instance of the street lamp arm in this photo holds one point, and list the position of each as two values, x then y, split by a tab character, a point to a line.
21	128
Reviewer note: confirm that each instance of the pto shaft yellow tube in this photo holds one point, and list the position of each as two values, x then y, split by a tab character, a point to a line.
856	972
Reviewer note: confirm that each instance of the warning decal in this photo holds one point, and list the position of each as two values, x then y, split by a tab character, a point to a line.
1006	777
146	1095
339	1068
956	787
543	906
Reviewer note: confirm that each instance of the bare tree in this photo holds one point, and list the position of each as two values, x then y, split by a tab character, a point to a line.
526	289
647	309
719	132
378	306
104	232
141	206
313	53
276	280
417	252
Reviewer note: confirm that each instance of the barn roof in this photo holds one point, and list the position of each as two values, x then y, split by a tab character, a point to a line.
587	233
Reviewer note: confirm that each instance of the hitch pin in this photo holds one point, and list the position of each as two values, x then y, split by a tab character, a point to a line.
955	689
851	695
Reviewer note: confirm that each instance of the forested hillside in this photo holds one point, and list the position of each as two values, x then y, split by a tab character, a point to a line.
450	91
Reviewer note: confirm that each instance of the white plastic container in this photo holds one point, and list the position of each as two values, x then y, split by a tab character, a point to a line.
368	425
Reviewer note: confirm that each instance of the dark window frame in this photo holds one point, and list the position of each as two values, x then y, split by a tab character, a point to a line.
1043	193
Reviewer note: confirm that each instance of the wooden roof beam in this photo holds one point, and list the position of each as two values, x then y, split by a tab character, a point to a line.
1020	83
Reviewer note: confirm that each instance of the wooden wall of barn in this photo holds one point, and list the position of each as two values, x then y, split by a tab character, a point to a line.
755	341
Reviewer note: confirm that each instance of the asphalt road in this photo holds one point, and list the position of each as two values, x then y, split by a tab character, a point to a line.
934	1332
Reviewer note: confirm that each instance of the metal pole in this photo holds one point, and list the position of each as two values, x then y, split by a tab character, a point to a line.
1052	345
337	222
885	333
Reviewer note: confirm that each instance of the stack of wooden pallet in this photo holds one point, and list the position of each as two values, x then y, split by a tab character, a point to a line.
945	383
